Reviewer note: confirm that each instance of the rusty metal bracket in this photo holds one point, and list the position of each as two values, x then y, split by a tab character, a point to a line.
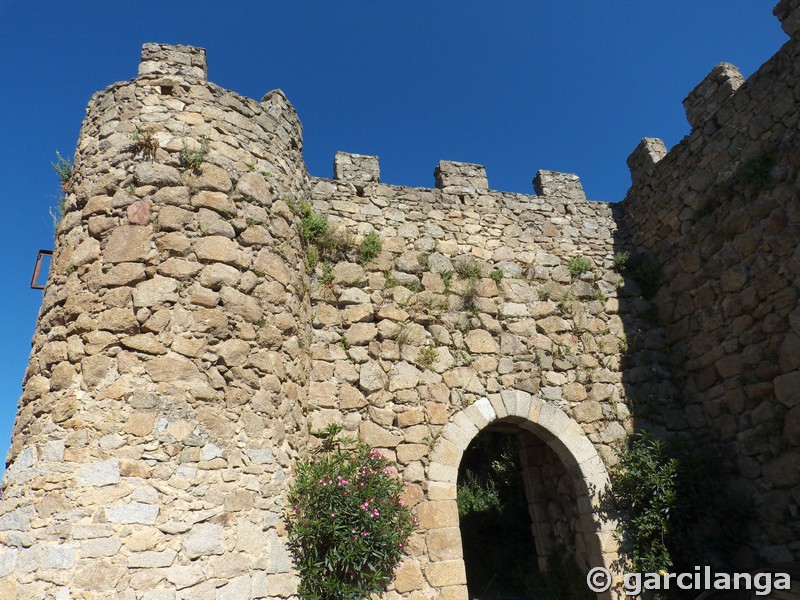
37	268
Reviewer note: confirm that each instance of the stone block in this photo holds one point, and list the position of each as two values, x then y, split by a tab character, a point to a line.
99	474
644	157
378	437
204	539
445	573
133	513
480	341
151	559
786	388
558	185
356	167
438	490
437	514
408	577
707	97
444	543
437	472
457	177
552	420
128	243
788	13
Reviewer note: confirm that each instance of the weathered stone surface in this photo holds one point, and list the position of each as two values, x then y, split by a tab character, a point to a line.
481	342
220	249
786	388
171	368
209	177
99	474
155	292
153	173
128	243
253	185
135	512
444	573
377	436
273	266
408	577
204	539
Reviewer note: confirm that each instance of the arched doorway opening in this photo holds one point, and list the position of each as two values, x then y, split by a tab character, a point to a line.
520	528
548	432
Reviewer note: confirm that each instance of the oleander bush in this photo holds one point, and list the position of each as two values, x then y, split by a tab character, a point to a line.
348	525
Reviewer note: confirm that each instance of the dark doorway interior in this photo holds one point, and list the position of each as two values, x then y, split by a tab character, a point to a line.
495	502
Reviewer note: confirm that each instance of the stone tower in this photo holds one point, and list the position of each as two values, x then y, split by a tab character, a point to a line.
163	397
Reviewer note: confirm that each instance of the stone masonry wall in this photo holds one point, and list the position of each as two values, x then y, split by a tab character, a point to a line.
163	405
471	298
721	214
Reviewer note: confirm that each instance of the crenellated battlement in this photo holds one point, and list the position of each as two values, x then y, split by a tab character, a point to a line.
187	62
705	100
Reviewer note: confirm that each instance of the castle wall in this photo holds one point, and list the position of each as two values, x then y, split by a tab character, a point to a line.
409	343
163	405
721	215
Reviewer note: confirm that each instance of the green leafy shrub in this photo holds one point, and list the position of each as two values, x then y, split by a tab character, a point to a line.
316	233
756	174
578	265
348	526
312	259
192	159
675	512
370	247
496	275
644	486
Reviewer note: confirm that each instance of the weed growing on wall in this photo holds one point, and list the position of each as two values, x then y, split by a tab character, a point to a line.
319	239
193	159
146	143
63	168
348	525
578	265
427	356
468	269
621	260
370	247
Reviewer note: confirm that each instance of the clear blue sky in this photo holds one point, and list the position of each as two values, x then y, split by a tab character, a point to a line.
518	85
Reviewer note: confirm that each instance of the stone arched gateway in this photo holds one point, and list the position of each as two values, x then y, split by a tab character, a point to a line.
439	517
